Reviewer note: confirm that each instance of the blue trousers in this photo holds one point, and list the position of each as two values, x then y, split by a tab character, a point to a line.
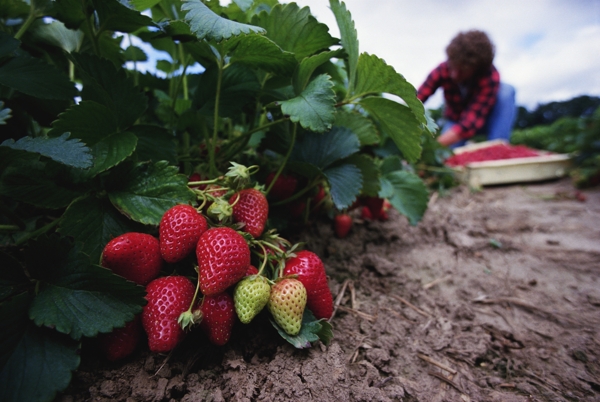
500	121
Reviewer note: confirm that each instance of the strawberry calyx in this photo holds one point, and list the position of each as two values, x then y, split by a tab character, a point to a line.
191	317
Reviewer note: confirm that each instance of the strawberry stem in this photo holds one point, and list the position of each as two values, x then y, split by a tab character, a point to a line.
188	318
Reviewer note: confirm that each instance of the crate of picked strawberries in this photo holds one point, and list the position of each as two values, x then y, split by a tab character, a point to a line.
498	162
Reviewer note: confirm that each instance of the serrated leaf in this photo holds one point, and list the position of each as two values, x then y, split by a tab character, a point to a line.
88	120
369	171
93	222
360	125
112	150
35	363
407	193
145	192
314	108
374	76
86	301
154	144
349	38
391	164
35	77
307	67
57	34
244	5
205	24
114	16
70	12
345	182
311	330
8	44
295	30
104	84
322	150
238	88
135	53
399	123
70	152
260	52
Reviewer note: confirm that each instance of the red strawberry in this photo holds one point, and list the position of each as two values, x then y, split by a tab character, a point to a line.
167	297
134	256
179	231
121	342
365	213
223	259
342	225
297	208
250	207
197	177
218	317
252	270
311	272
284	186
375	205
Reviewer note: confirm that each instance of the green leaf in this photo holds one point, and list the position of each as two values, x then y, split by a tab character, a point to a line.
34	77
71	12
314	108
154	144
142	5
374	76
112	150
238	89
12	277
145	192
260	52
369	171
134	53
308	66
36	362
39	184
295	30
85	300
311	330
349	38
93	222
57	34
391	164
359	124
244	5
114	16
345	182
8	44
62	150
205	24
399	123
104	84
322	150
5	114
407	193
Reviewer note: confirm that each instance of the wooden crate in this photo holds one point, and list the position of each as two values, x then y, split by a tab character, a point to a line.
517	170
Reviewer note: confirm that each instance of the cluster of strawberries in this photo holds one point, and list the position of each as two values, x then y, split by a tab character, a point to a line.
223	232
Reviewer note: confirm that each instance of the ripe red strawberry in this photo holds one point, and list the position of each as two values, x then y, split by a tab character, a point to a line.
197	177
250	207
311	272
223	259
134	256
252	270
286	304
365	213
375	205
167	297
179	231
284	186
218	317
121	342
342	225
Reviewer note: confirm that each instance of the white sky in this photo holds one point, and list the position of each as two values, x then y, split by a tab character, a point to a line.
548	49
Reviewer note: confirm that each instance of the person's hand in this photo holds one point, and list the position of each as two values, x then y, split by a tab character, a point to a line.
449	137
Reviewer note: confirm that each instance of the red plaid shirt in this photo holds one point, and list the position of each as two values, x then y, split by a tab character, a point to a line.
470	107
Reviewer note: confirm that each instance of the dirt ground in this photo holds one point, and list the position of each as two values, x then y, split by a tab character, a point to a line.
494	296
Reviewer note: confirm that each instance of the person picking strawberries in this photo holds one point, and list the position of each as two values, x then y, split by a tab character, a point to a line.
476	101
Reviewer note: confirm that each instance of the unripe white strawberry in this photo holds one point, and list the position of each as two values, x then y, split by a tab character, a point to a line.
287	303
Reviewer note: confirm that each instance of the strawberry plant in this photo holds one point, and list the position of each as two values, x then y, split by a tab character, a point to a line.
92	148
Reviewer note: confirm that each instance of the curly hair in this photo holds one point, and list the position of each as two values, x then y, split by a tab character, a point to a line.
471	48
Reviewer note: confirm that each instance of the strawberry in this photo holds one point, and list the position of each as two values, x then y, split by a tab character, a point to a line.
252	270
250	296
121	342
342	225
167	297
197	177
223	259
218	317
283	188
179	231
286	304
365	213
134	256
311	272
375	205
250	207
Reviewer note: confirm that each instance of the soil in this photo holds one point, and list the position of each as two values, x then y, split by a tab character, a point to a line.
493	296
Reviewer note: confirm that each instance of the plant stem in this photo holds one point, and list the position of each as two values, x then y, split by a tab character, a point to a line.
285	159
33	14
38	232
213	144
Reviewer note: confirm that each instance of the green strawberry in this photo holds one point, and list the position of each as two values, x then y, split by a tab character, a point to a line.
250	207
223	259
250	296
287	303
